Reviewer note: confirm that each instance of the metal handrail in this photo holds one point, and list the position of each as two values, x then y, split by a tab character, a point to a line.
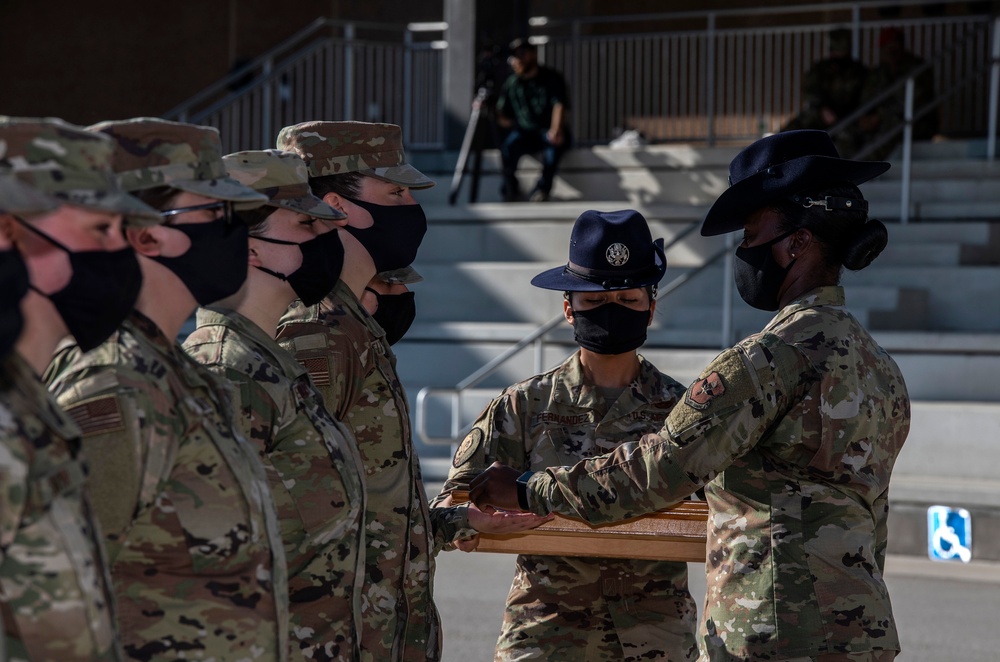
265	62
536	337
544	21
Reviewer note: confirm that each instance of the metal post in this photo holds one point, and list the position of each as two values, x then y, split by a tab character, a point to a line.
266	91
904	198
456	413
539	356
577	78
991	135
727	293
710	80
856	32
407	125
348	71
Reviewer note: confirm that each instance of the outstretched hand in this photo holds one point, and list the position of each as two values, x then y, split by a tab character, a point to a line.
490	520
495	487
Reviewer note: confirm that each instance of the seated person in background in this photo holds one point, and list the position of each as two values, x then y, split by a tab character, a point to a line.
832	88
533	104
895	63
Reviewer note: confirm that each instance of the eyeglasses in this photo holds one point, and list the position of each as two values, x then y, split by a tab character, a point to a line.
225	207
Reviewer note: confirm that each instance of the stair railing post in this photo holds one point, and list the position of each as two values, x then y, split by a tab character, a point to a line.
266	110
348	71
727	293
710	80
539	356
577	74
991	137
408	83
904	197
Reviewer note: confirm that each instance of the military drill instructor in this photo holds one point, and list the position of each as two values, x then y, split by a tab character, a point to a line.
793	432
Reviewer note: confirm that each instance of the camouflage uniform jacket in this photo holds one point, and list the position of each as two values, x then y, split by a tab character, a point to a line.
795	431
191	531
346	354
315	475
56	595
557	419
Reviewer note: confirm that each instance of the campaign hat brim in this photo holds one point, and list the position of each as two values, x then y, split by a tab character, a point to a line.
563	279
805	173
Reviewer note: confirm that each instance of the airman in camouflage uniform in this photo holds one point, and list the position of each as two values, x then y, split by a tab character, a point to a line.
793	432
351	363
56	599
896	63
832	89
190	525
565	608
313	465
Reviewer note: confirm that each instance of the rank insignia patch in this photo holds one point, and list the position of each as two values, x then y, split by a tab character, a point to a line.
468	448
703	391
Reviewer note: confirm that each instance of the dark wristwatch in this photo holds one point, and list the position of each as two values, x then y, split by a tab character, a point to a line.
522	489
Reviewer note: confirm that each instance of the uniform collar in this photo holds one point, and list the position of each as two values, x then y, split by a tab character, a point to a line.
570	387
830	295
342	294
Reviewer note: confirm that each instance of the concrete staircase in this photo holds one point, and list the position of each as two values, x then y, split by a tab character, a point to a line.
932	299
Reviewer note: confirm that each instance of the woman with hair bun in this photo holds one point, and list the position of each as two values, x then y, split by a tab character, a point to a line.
793	432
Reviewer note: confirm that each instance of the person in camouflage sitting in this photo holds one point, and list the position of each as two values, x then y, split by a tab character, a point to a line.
793	432
189	523
61	215
315	472
564	608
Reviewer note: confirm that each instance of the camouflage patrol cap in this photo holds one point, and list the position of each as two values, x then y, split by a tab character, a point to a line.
68	165
151	152
403	276
335	148
282	177
17	197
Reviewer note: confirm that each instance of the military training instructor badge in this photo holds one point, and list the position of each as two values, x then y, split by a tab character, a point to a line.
468	448
703	391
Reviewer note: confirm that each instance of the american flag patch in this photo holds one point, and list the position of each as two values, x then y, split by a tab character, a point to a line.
319	369
98	416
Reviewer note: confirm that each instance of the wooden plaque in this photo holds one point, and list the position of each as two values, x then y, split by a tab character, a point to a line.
675	534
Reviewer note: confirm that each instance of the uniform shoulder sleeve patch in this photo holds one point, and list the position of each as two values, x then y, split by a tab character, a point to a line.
468	448
98	416
704	390
318	368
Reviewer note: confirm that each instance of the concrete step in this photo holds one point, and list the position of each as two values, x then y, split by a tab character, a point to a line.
501	292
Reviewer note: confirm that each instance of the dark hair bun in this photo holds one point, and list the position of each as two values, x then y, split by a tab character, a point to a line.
866	245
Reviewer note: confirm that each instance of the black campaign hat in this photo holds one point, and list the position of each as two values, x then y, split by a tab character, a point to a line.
608	250
780	166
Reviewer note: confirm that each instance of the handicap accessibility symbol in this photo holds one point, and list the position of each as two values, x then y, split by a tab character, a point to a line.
949	533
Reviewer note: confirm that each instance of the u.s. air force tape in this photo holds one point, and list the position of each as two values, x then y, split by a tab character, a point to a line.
468	448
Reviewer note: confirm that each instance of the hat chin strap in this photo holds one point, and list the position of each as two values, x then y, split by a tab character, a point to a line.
831	203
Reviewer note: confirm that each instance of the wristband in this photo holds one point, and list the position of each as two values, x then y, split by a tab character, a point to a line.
522	489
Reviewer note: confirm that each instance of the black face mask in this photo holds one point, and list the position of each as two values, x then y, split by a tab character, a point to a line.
394	236
322	262
758	277
215	265
610	328
100	294
395	314
13	287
